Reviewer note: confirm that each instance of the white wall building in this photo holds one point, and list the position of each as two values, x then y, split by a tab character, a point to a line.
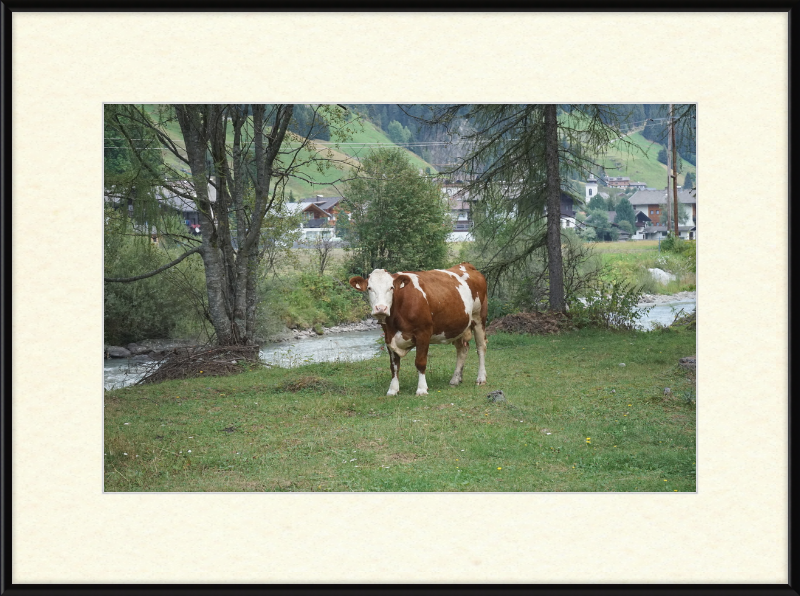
591	188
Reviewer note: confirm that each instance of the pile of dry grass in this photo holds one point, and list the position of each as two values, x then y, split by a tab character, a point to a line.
534	323
205	361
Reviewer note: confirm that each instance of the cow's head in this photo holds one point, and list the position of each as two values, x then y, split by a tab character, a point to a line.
380	286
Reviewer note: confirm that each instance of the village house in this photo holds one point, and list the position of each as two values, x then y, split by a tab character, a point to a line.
186	208
460	202
176	199
618	182
460	206
651	221
318	215
622	234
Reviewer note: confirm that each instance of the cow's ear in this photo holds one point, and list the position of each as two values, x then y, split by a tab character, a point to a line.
400	281
359	283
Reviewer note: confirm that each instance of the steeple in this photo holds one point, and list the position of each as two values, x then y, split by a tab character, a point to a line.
591	187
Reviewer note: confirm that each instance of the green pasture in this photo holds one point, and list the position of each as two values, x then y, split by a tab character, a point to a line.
575	419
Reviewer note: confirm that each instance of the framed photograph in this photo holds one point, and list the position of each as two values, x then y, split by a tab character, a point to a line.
71	525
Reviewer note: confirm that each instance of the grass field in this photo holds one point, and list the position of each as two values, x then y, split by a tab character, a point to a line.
641	167
574	420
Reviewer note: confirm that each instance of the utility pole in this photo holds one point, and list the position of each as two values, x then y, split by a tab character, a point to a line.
674	170
669	177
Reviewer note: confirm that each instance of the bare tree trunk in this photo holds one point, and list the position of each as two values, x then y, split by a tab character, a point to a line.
195	135
554	257
231	270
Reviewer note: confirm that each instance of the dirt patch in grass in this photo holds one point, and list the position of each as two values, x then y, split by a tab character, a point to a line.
533	323
229	480
307	382
364	445
402	458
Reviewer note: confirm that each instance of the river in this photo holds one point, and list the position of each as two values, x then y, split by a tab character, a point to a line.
350	345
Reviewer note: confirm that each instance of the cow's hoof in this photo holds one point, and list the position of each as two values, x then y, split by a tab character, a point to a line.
455	382
421	392
390	392
479	382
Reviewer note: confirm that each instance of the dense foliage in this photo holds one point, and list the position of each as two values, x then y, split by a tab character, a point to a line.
625	212
168	305
399	219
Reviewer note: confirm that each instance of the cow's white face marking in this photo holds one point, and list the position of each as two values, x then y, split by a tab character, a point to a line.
380	287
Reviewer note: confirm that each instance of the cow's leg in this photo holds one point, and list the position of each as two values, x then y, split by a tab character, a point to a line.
462	349
422	362
394	366
480	340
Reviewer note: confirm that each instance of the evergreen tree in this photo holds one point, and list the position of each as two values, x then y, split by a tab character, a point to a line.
597	203
398	133
598	219
625	212
523	152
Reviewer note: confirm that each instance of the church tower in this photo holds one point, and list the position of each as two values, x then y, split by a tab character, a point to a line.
591	188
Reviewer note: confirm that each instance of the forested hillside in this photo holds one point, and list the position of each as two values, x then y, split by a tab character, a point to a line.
433	149
642	158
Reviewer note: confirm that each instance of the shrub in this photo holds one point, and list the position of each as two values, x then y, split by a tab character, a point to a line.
609	305
307	300
167	305
672	243
498	308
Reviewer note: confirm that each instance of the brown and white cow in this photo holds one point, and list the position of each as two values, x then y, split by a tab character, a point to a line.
416	309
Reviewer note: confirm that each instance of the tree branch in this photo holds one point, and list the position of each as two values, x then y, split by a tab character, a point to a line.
196	249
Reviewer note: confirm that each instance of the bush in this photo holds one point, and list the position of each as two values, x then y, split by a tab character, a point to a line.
672	243
609	305
167	305
307	300
499	308
690	253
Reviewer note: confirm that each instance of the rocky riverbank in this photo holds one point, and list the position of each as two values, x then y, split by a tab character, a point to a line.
656	299
294	334
147	349
151	349
154	349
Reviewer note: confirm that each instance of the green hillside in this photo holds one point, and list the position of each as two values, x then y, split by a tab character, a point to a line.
323	165
329	162
367	133
641	165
